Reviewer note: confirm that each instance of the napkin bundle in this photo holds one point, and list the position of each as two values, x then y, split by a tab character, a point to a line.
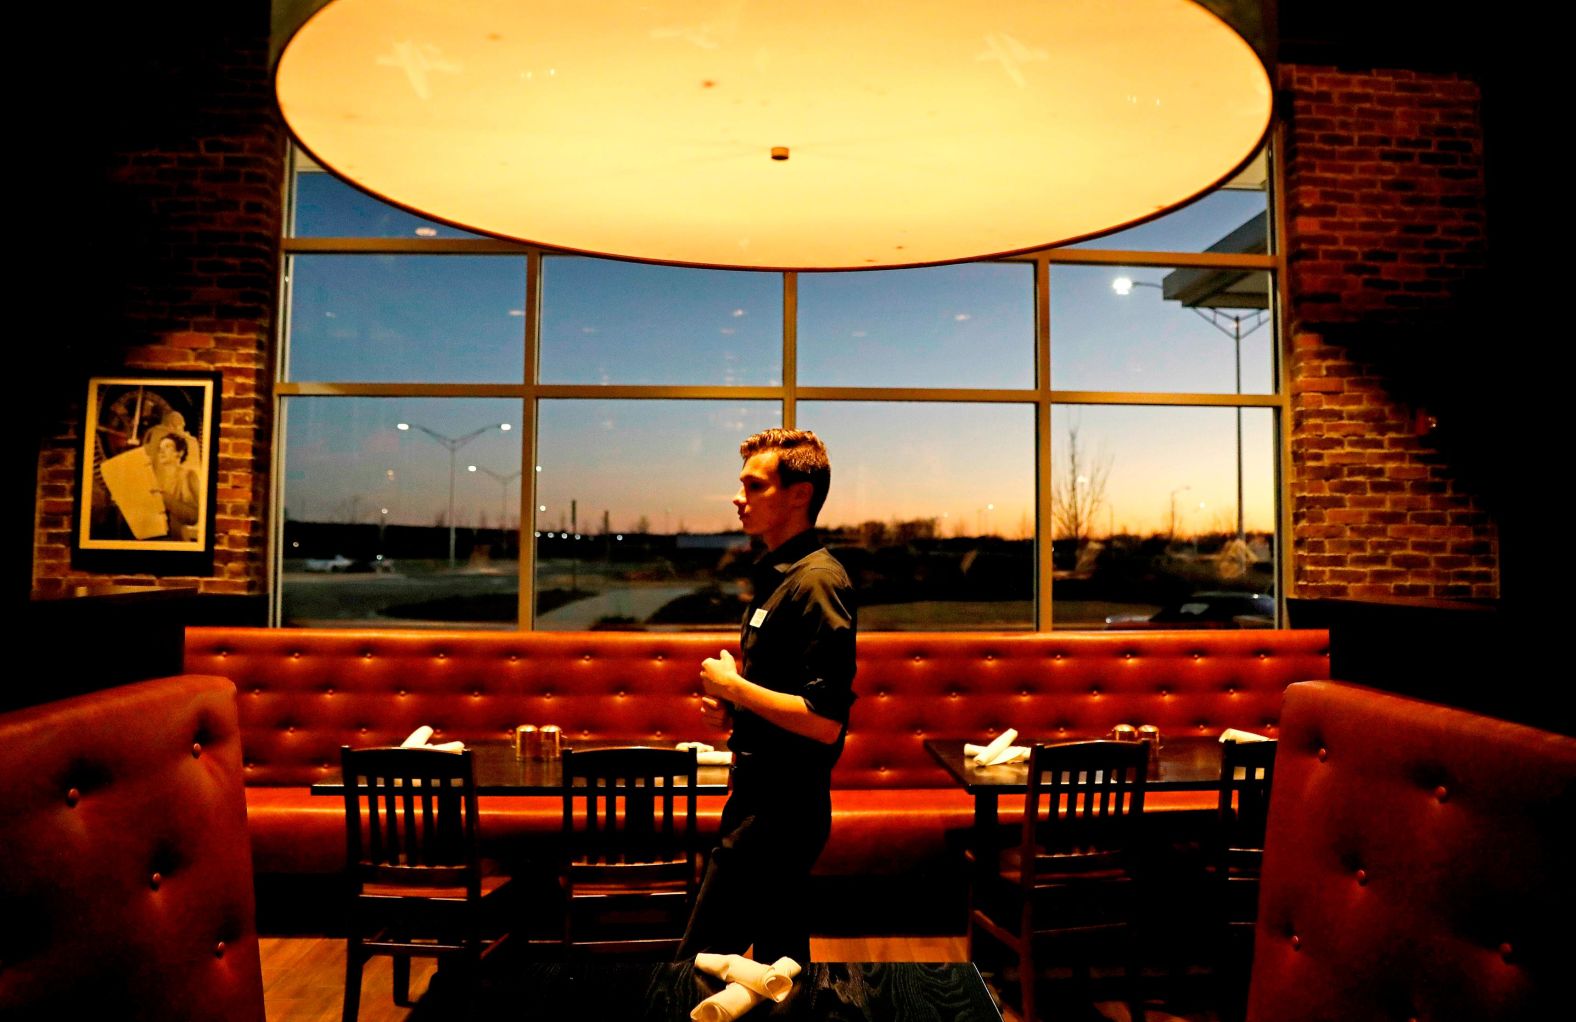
999	751
749	983
421	738
707	755
1231	734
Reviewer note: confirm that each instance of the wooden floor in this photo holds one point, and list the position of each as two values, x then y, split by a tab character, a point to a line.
303	977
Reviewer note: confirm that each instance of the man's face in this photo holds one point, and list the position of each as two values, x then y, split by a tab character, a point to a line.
766	507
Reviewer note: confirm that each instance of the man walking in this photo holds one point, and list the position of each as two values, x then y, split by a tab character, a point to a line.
787	699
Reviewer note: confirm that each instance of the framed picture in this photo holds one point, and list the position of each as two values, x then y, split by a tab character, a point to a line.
145	497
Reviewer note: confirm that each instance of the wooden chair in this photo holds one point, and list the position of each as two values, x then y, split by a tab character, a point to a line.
417	887
630	866
1235	862
1073	873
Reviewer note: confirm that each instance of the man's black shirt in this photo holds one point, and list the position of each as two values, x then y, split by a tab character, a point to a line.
797	637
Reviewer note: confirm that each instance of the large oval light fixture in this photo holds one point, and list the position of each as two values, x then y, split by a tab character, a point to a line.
744	133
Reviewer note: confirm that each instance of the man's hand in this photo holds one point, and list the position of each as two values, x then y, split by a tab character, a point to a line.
715	712
720	676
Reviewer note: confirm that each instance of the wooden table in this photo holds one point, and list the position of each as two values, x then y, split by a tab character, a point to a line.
666	992
498	772
1183	764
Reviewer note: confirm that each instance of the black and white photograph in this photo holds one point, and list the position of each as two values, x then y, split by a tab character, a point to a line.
147	482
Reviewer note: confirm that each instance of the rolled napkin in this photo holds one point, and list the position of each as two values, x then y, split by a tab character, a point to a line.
986	755
774	980
421	738
726	1004
706	755
1231	734
1011	754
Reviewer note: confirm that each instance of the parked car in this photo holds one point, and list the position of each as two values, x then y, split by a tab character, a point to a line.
1205	610
339	562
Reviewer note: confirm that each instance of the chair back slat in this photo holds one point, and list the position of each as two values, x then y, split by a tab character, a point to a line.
1082	800
1247	770
629	806
410	816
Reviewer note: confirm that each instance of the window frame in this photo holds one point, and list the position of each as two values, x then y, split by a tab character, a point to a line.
530	391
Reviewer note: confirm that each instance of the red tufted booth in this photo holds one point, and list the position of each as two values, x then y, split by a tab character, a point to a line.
1413	867
303	693
125	872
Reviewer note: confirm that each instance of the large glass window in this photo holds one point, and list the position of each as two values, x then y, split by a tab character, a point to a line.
400	512
406	318
634	520
970	325
1162	517
932	510
1086	437
607	322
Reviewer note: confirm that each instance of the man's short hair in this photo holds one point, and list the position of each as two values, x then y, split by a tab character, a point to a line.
801	458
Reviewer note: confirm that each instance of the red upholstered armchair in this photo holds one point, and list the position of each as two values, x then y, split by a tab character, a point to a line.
125	868
1413	865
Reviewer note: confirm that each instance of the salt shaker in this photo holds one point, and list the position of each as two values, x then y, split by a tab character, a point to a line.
1124	733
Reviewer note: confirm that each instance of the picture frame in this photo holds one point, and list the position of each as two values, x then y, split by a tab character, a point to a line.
148	474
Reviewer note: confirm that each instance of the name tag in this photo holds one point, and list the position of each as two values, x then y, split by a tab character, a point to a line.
758	618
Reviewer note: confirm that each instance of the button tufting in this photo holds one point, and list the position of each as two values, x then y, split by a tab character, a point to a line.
1094	692
196	749
1296	942
1505	951
476	693
295	654
402	692
329	690
366	654
1362	878
514	658
1127	656
442	655
1442	794
1324	754
155	880
1057	657
218	950
918	658
73	797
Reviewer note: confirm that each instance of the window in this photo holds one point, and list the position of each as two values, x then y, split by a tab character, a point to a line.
1050	441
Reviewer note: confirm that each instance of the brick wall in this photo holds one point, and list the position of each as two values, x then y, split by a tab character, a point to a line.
182	182
1387	253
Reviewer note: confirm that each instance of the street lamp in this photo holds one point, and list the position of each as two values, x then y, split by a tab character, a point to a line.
504	480
1123	286
453	444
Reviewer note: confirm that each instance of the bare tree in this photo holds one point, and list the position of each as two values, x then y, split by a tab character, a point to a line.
1078	490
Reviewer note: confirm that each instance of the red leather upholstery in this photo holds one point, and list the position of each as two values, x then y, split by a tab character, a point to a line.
125	875
303	693
1413	864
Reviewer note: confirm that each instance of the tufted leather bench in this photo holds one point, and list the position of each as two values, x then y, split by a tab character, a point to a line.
303	693
1413	864
125	872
